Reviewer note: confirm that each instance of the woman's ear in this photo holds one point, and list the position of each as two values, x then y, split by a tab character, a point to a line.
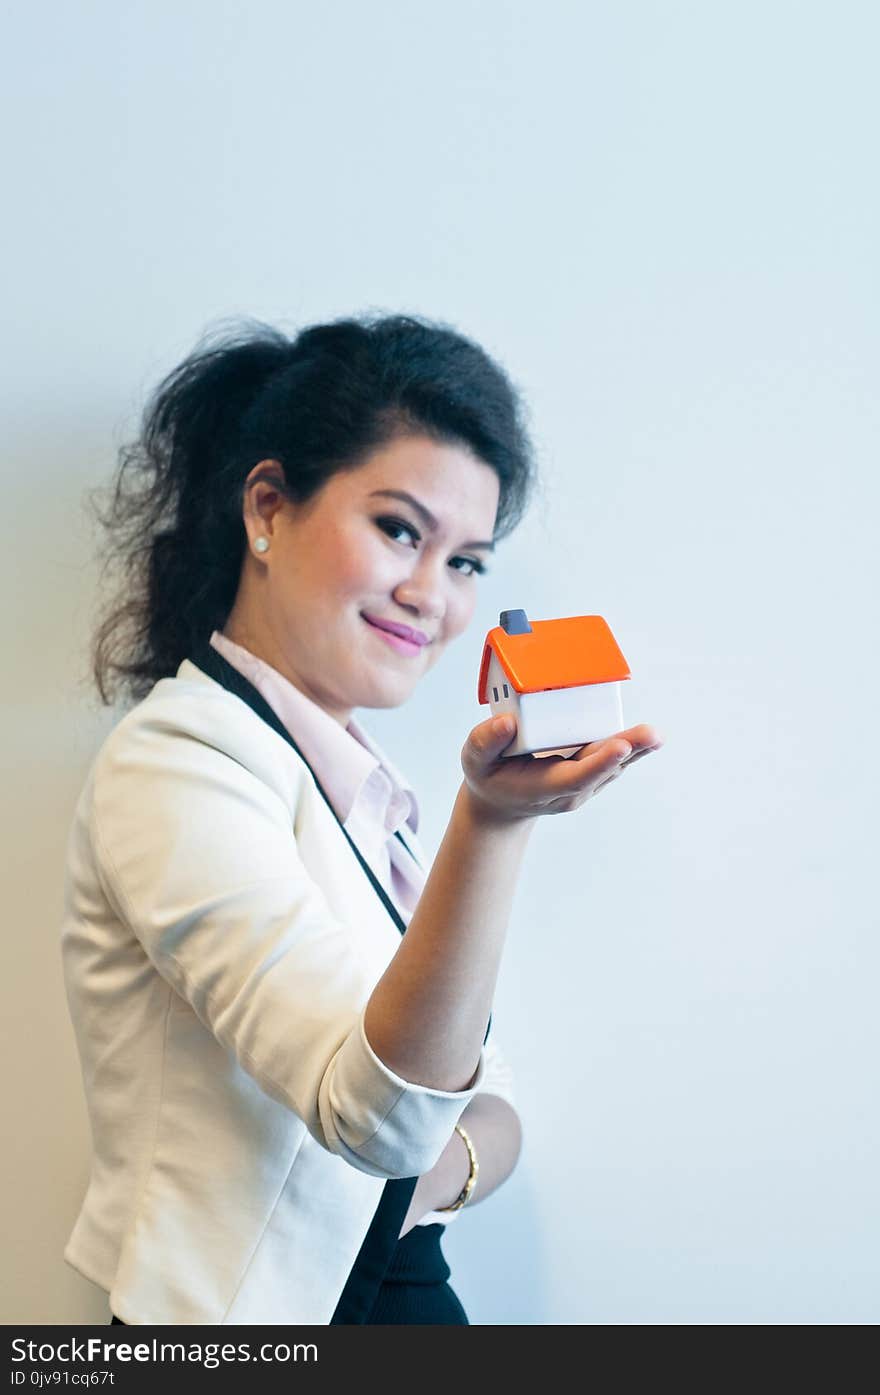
263	498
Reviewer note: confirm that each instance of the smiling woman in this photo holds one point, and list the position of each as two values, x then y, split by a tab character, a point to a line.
332	600
283	1121
256	431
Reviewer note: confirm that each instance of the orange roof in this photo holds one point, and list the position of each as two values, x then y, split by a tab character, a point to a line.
565	653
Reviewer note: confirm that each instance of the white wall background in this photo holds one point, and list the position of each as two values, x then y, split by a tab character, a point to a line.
663	219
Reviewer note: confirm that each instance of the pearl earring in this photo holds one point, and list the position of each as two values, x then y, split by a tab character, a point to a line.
261	545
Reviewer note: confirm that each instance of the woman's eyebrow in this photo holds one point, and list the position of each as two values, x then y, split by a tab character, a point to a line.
427	518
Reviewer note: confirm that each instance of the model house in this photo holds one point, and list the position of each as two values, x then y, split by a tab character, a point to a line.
560	679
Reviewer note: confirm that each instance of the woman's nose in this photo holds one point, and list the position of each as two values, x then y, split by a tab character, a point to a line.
422	597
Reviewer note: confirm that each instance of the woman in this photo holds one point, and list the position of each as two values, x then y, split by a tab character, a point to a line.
289	1097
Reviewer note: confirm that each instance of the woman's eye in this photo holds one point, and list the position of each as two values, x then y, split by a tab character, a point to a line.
476	568
390	525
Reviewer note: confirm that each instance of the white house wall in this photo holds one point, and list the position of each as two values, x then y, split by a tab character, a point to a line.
570	716
498	682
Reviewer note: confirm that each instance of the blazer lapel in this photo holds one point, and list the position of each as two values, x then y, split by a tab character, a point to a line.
212	662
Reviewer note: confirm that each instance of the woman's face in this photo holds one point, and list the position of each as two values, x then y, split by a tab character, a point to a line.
353	551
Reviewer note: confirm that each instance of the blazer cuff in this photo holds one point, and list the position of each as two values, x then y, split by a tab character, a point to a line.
382	1123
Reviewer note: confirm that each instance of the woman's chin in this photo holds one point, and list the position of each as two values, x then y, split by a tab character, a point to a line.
388	691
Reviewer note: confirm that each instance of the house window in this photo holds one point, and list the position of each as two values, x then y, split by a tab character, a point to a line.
495	691
506	693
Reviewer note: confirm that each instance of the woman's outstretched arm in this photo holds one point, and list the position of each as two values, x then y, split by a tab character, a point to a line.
427	1015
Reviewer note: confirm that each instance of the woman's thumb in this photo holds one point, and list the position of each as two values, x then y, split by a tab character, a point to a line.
501	729
485	742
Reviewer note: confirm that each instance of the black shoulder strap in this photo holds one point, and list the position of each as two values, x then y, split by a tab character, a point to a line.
362	1286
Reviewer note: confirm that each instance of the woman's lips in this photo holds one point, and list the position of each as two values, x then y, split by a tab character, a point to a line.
403	646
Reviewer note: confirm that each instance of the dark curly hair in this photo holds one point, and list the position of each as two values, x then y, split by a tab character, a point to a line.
317	403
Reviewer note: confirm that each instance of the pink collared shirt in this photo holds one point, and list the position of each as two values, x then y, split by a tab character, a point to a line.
369	794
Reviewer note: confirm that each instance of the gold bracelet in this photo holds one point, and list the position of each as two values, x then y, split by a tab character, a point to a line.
465	1193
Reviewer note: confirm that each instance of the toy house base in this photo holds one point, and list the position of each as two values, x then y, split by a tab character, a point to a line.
555	720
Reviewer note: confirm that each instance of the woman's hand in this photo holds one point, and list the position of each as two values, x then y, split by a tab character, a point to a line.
505	789
441	1185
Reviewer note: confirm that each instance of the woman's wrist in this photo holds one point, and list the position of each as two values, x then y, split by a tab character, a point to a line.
467	1190
442	1184
487	819
450	1173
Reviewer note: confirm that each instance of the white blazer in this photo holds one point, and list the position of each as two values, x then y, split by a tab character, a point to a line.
219	944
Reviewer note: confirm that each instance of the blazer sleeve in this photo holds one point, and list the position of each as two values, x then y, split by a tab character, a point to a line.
498	1080
198	855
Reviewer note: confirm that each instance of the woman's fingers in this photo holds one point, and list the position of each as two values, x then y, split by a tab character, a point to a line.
638	755
523	786
594	765
580	772
640	738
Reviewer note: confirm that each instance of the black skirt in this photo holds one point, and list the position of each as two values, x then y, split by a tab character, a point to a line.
416	1288
416	1285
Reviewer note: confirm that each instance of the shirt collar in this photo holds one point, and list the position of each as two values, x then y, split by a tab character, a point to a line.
343	758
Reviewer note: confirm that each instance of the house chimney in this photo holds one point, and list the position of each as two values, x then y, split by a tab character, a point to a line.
515	622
